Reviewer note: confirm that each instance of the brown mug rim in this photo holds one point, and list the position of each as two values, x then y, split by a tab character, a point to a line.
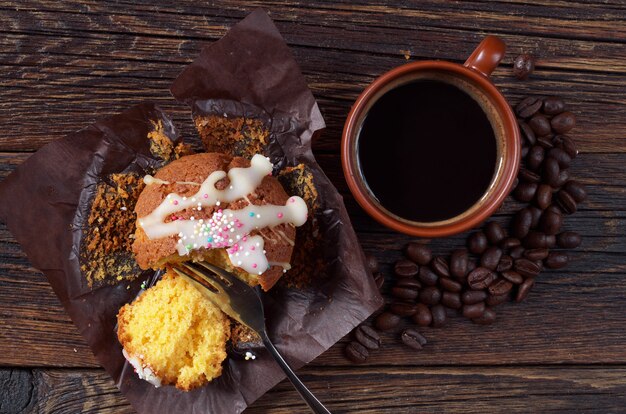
494	197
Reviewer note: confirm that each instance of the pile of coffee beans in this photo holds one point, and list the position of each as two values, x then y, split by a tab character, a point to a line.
497	265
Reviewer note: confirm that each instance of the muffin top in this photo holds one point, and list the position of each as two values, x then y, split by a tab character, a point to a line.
227	210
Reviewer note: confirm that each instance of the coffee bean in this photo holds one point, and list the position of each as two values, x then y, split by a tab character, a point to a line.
556	260
545	142
526	268
408	283
413	339
543	198
489	317
540	125
403	308
563	122
404	292
356	352
525	192
512	276
527	133
551	222
563	178
470	297
551	171
524	289
458	263
553	208
494	232
440	266
566	202
561	157
497	300
576	190
536	214
451	300
535	157
522	222
529	176
405	268
535	240
379	279
439	316
568	239
430	295
372	263
491	258
567	144
528	106
471	265
418	253
427	276
423	316
506	262
553	105
480	278
524	153
477	242
510	242
516	252
550	241
500	287
386	321
450	285
536	254
475	310
367	337
523	66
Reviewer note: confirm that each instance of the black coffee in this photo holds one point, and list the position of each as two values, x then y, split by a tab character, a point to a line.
427	151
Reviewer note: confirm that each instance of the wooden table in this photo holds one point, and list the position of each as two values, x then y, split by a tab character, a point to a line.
564	349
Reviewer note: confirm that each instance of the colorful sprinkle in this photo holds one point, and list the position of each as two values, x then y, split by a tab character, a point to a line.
254	265
251	214
205	196
175	202
279	215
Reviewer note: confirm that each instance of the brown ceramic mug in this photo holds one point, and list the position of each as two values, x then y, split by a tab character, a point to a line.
473	78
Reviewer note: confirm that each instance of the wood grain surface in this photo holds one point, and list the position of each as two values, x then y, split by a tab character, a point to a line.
65	64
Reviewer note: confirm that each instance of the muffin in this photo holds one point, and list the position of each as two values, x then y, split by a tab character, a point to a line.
172	334
225	210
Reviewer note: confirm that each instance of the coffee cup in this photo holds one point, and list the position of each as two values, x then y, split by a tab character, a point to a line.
432	148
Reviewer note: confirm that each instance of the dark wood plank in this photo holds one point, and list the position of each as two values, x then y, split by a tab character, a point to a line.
111	60
392	390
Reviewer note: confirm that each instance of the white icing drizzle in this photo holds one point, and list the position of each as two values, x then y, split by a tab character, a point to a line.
144	373
226	228
286	266
148	180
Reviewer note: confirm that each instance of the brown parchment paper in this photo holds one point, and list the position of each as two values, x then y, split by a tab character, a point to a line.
250	73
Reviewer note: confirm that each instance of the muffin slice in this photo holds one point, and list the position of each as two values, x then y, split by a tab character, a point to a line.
172	334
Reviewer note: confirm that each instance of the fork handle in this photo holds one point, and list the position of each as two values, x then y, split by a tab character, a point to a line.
314	404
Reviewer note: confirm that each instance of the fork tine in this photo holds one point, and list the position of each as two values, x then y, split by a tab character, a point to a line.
213	291
210	288
219	271
205	275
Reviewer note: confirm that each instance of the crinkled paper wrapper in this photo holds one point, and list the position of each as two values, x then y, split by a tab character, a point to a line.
250	73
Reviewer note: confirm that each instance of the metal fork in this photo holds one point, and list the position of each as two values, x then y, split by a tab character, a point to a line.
242	303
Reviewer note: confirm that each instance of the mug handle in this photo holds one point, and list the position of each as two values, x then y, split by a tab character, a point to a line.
486	56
